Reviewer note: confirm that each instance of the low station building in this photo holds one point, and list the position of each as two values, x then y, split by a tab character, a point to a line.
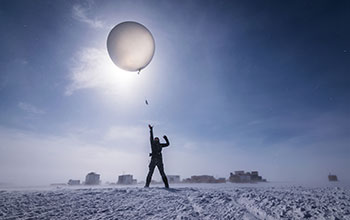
245	177
126	180
332	178
73	182
204	179
174	178
92	178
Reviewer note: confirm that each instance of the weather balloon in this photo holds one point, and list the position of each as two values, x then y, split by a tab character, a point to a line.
131	46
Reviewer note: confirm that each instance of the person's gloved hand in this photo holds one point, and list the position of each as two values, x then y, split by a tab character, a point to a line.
150	126
165	137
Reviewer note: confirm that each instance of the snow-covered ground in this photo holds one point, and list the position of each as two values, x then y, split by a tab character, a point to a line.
199	201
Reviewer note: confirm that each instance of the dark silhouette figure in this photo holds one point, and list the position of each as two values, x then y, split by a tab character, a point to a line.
156	158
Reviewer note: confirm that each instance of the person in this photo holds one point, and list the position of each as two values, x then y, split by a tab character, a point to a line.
156	158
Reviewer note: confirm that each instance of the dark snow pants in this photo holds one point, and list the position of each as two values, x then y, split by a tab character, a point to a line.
156	161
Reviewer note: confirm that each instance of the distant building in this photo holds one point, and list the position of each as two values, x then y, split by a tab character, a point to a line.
204	179
126	180
221	180
58	184
174	178
92	179
242	177
239	172
332	178
73	182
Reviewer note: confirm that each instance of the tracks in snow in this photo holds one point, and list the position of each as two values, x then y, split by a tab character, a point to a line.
199	202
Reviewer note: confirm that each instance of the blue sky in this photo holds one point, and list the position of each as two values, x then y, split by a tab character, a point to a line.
253	85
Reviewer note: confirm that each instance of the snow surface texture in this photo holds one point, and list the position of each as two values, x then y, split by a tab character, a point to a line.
200	201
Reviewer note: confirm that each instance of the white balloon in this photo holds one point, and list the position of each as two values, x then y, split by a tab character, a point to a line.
131	46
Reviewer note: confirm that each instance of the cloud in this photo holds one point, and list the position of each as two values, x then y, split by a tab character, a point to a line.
32	158
29	158
87	70
30	108
120	133
80	14
91	68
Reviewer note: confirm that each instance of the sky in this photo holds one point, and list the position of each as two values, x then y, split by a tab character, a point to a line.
235	85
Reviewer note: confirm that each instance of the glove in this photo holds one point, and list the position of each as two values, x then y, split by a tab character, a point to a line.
150	126
165	137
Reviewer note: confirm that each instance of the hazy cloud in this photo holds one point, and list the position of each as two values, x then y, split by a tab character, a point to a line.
87	70
124	133
30	108
80	13
49	158
29	158
91	68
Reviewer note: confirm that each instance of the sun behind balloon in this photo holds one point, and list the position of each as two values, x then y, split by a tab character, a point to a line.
131	46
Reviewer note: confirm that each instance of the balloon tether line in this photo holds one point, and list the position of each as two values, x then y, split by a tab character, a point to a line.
146	101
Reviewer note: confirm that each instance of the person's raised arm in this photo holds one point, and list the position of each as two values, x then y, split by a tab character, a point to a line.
151	133
166	140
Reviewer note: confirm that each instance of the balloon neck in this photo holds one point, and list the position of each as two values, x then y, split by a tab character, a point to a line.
138	72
